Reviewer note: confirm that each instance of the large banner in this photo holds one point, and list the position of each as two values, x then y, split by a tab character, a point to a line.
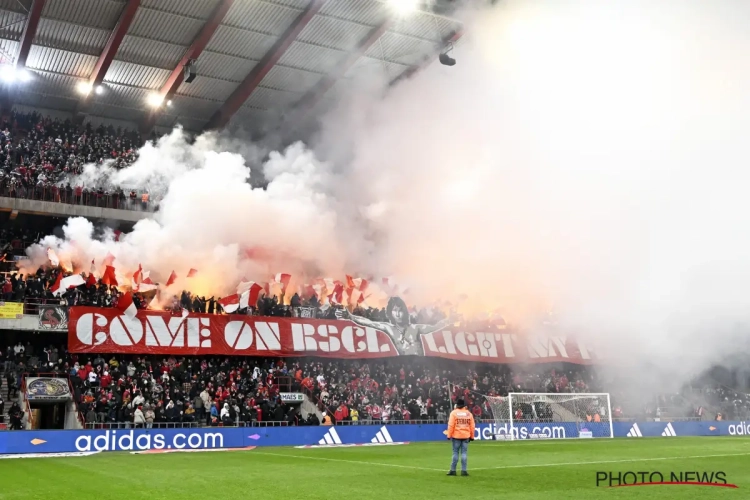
47	389
11	310
96	330
53	317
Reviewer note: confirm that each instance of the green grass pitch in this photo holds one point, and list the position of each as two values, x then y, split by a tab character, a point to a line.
527	470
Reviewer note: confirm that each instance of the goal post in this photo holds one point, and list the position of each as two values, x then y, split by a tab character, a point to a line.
551	416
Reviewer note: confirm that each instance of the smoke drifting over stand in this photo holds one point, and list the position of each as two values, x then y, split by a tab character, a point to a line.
586	158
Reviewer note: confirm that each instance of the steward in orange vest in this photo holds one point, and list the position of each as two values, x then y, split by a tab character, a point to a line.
460	432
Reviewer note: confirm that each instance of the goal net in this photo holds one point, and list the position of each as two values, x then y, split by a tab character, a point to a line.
550	416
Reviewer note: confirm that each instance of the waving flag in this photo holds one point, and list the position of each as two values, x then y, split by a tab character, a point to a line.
138	276
126	306
69	282
56	285
283	279
253	293
244	286
192	273
230	303
147	285
109	276
337	296
53	258
172	279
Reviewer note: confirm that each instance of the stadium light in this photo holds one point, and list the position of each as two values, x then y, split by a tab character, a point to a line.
403	7
169	103
155	99
10	74
23	75
84	88
99	90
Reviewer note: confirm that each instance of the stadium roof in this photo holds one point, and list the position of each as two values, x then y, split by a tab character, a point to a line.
254	59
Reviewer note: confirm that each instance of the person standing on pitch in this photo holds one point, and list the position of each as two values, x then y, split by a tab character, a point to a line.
460	432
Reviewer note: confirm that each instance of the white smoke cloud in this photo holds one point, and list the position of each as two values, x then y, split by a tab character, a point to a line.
211	219
583	157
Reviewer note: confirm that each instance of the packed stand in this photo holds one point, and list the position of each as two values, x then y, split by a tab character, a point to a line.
123	390
38	154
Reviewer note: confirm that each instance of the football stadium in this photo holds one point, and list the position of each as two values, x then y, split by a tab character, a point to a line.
374	248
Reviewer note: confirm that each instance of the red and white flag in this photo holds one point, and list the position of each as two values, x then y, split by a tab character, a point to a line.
69	282
147	285
337	295
252	295
192	273
126	306
56	285
93	267
138	277
230	303
244	286
53	258
355	296
91	281
109	276
172	279
283	279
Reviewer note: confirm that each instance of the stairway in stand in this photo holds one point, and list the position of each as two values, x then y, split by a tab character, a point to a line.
4	393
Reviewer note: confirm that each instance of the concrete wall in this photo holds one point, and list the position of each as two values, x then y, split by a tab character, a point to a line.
29	322
66	210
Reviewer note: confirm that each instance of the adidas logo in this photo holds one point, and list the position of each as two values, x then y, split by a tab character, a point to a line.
634	432
669	431
382	436
331	437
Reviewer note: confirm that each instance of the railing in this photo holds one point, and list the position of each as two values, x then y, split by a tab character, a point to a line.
284	384
85	198
196	425
656	419
131	425
29	416
31	306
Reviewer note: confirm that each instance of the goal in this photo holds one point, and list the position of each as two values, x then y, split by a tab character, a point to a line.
551	416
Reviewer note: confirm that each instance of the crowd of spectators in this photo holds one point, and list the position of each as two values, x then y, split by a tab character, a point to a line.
245	391
39	155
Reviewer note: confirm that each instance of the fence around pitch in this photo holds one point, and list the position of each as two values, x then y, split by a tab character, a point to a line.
85	198
197	425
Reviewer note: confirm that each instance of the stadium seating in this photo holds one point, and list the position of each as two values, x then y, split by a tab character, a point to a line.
38	154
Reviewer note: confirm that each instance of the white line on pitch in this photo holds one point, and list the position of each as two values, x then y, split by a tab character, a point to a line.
611	461
562	464
345	461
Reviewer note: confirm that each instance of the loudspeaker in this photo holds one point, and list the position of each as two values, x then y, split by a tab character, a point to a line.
446	60
190	73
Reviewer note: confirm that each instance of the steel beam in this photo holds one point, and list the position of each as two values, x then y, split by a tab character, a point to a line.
193	52
113	44
29	30
260	70
309	100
